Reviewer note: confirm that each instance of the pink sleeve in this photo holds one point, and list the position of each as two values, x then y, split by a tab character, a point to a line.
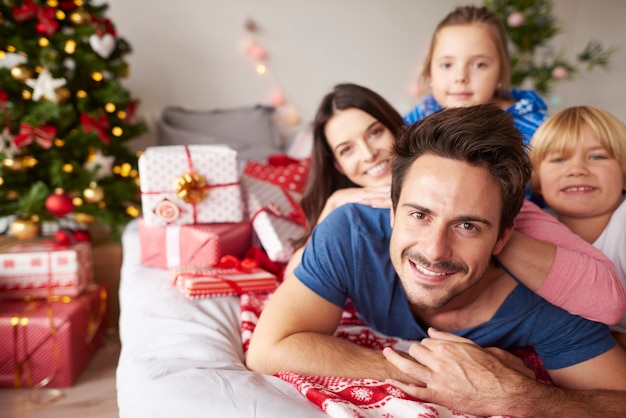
582	280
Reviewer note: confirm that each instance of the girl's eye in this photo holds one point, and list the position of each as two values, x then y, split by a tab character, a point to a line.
599	157
480	64
556	159
445	65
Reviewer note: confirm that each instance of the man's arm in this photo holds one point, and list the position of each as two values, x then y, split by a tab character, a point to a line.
575	276
463	376
295	333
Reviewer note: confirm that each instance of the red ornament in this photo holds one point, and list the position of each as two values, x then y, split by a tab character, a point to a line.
82	235
59	204
64	237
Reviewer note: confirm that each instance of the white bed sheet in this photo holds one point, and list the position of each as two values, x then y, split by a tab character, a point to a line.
184	358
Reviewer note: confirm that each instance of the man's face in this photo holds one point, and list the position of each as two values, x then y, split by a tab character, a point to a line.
445	229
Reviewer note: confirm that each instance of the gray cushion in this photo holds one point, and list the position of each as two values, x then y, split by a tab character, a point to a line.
248	130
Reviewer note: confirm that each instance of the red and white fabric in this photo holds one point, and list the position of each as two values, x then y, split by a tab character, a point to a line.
367	398
44	268
273	193
212	282
161	166
179	246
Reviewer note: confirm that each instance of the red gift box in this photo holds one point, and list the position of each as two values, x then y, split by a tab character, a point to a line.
272	194
190	184
43	268
50	339
215	281
177	246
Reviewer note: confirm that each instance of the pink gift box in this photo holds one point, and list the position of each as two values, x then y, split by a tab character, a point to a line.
213	281
41	268
177	246
276	216
208	173
52	339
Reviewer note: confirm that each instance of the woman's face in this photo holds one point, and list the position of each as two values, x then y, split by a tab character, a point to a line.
586	184
465	66
362	147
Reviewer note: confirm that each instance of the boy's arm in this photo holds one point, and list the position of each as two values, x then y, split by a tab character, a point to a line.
563	268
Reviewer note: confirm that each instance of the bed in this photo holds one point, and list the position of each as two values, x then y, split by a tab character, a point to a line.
183	358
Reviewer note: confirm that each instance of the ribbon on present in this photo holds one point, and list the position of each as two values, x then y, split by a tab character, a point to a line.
296	215
97	124
45	15
44	135
190	187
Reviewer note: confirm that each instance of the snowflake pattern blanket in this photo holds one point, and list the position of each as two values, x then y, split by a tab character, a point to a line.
366	398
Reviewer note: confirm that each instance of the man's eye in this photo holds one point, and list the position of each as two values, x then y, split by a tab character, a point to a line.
418	215
468	226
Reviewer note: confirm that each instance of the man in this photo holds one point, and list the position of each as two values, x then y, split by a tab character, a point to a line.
458	183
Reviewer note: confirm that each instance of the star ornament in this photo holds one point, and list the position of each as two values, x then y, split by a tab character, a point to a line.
103	162
45	85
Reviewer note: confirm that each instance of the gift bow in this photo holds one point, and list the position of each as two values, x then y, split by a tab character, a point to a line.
97	124
43	135
46	16
296	215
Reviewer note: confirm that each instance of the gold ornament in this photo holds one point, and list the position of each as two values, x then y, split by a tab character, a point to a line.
21	73
70	46
62	94
14	164
24	229
84	218
80	17
93	194
191	188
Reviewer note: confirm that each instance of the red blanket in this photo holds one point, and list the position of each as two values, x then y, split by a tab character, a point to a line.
343	397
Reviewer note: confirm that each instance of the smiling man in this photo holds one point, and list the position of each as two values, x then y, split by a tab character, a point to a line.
425	271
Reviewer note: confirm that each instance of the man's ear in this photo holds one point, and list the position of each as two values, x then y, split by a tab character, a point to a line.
503	240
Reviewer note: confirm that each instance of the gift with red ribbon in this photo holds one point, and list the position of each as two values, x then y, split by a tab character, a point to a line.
96	124
230	276
48	343
43	135
273	193
190	184
180	246
42	268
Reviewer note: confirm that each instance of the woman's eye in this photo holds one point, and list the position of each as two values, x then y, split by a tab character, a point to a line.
344	150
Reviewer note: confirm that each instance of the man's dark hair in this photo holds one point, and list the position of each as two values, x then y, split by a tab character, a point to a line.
482	135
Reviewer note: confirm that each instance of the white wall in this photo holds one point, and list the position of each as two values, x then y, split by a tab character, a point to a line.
187	52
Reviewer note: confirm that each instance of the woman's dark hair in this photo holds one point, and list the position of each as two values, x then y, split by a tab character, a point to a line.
481	135
324	179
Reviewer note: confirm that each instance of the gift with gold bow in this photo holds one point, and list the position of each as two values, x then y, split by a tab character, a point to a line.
190	184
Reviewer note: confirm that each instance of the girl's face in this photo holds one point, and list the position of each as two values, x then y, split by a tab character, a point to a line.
465	66
362	147
588	183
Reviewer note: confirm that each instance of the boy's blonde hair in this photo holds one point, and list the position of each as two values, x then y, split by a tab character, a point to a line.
563	131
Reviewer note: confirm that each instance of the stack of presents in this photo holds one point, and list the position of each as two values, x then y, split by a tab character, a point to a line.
221	226
52	314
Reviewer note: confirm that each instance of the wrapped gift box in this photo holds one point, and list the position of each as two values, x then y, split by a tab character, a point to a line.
41	268
50	339
178	246
213	281
272	202
190	184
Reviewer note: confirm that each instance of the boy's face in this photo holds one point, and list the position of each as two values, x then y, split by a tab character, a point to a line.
445	229
586	184
465	66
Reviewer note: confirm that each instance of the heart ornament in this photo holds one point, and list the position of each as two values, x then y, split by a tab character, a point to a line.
102	45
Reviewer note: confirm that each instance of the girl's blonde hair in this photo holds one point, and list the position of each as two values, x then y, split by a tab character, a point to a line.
563	131
472	15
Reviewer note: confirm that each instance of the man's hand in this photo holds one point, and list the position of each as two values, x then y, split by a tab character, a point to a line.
460	375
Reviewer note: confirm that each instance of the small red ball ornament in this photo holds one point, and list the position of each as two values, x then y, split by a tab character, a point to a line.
82	235
59	204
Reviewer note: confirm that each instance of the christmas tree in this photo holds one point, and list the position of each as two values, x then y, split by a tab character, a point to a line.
65	117
530	26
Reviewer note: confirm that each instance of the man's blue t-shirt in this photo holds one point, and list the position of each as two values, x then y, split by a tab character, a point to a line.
348	257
